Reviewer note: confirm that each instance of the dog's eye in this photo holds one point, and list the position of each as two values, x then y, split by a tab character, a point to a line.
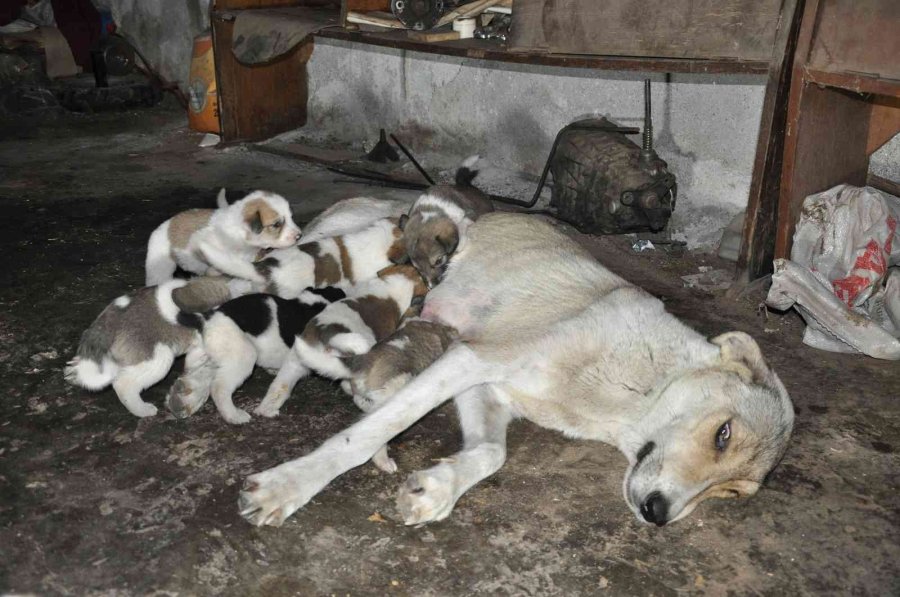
723	435
439	262
278	224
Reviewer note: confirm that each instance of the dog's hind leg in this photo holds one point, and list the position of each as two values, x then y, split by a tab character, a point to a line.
191	390
159	266
271	496
292	371
134	379
430	495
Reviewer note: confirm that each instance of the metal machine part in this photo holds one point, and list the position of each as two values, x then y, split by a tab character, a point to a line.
498	28
603	183
418	14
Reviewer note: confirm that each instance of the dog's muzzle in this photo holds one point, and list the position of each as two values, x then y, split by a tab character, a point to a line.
655	509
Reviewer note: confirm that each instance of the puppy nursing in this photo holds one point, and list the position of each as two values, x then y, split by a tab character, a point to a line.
337	261
249	331
134	341
224	240
370	313
437	222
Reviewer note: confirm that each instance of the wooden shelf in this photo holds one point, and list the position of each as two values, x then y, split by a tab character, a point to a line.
858	82
492	50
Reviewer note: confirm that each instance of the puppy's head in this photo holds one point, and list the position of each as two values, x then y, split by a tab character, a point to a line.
431	238
713	432
266	220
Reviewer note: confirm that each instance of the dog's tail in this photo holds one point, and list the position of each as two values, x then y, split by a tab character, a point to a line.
222	199
93	368
466	172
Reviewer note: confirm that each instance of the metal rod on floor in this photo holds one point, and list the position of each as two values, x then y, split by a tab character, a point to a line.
412	159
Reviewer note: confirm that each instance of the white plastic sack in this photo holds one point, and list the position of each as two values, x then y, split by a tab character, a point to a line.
840	277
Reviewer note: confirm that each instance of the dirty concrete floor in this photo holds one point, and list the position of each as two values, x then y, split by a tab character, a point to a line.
95	501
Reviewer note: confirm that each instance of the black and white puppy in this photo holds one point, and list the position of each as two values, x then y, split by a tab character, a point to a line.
255	329
437	222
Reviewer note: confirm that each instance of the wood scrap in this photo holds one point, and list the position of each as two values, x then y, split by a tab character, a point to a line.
369	19
433	36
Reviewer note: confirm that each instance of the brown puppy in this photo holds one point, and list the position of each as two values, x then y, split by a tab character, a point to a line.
436	225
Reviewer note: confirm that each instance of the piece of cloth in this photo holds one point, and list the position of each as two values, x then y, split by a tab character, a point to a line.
79	23
263	35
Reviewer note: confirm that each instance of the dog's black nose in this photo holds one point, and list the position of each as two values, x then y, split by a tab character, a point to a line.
655	509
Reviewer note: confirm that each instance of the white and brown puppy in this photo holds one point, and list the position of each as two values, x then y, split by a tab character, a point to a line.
134	341
340	261
437	222
352	215
370	313
249	331
225	240
390	364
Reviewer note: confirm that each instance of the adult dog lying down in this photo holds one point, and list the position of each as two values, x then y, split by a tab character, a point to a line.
549	334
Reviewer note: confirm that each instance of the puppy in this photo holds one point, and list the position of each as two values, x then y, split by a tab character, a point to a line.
134	341
255	329
340	261
370	313
352	215
224	240
436	225
390	364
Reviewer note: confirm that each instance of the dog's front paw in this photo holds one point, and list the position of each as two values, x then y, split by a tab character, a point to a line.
427	496
269	497
238	417
383	461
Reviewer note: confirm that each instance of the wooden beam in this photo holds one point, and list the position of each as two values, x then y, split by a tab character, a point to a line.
760	222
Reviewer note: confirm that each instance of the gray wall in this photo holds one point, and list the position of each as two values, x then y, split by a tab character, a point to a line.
706	126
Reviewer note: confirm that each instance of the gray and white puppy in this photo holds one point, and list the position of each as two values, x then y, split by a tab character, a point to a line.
436	225
134	341
390	364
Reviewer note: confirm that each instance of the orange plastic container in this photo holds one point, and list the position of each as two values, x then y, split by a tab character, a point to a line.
203	107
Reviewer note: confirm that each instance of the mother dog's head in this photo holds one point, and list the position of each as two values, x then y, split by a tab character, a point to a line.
712	432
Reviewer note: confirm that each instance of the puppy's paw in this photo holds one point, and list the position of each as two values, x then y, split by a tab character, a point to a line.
238	417
427	496
267	410
144	409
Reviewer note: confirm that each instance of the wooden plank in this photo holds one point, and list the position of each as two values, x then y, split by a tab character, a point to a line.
362	6
827	146
760	222
703	29
257	102
855	82
491	50
883	184
858	37
431	37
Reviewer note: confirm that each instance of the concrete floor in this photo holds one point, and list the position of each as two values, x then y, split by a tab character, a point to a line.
94	501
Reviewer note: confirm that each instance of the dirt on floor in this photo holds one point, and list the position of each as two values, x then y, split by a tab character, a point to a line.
94	501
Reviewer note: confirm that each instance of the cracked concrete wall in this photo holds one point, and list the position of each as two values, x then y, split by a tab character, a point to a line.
706	126
162	30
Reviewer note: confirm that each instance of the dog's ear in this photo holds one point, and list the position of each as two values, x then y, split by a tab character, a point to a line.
255	222
222	200
403	220
448	242
741	353
397	253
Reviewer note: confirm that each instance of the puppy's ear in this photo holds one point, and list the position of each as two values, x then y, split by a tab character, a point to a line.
222	200
397	253
403	220
255	222
448	242
741	353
